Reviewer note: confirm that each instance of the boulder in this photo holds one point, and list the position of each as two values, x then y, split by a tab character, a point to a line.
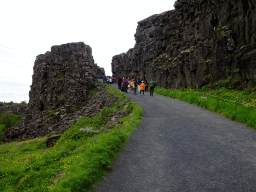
52	140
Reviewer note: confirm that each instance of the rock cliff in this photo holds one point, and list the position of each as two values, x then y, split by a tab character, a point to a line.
201	42
61	83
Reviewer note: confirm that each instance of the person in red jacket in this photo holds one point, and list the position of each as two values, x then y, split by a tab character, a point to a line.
142	87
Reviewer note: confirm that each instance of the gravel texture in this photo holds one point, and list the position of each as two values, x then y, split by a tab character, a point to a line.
183	147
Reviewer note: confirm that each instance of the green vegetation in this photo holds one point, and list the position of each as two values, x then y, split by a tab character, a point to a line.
222	30
51	113
90	94
187	50
254	82
236	70
8	120
243	47
162	55
238	56
12	103
205	60
61	78
77	162
215	102
227	72
208	76
162	66
223	27
223	33
228	79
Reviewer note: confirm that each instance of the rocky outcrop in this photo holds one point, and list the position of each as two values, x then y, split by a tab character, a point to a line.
50	141
61	82
62	77
201	42
100	71
17	109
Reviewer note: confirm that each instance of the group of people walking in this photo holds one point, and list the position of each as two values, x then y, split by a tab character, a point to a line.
128	85
109	80
140	86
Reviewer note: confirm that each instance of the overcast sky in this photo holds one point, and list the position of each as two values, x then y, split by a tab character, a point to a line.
32	27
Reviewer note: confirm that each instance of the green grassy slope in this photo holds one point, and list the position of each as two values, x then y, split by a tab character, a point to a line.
77	162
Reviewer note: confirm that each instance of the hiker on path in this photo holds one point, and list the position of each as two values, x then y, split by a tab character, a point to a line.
132	85
110	80
142	87
125	86
146	86
138	84
135	87
119	82
123	81
151	86
129	87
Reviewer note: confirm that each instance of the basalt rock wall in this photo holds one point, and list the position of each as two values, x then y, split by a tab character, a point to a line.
61	82
201	42
62	77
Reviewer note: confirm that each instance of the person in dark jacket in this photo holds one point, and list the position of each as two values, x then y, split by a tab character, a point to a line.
152	86
135	86
125	86
146	86
138	84
119	82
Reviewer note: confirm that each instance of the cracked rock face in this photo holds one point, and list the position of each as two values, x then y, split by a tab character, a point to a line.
61	82
181	47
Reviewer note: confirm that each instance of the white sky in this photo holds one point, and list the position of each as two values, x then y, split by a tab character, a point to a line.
32	27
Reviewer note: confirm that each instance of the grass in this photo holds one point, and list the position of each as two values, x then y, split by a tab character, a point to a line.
8	120
90	94
239	110
77	162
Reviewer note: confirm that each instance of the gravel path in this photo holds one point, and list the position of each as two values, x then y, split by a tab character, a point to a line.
182	147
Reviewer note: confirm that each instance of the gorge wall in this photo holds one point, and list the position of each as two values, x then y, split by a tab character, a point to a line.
201	42
61	83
